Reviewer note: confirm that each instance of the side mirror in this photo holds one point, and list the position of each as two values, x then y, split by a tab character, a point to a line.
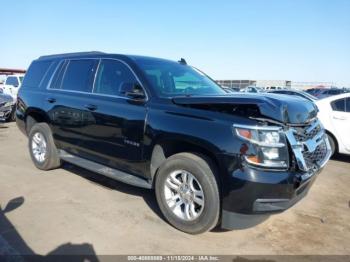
133	91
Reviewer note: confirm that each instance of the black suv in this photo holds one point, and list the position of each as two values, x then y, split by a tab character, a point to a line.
164	125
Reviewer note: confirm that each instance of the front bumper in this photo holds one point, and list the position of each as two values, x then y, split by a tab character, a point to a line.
255	194
5	112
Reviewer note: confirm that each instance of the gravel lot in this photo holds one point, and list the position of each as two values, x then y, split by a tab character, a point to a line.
73	211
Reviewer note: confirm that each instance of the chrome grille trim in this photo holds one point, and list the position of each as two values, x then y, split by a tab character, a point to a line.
308	146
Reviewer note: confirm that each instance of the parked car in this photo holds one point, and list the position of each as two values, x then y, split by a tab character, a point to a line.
229	90
268	88
331	92
326	92
252	89
12	85
334	113
7	108
294	92
163	125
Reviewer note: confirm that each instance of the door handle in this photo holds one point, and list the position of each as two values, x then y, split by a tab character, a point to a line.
91	107
51	100
339	117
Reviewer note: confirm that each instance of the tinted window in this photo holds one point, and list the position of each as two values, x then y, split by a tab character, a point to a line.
334	92
171	78
112	75
347	106
57	78
36	73
338	105
78	75
12	81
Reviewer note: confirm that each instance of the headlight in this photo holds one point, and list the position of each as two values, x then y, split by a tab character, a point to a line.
268	146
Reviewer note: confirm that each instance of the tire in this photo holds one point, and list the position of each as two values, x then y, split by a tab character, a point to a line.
332	144
203	217
48	160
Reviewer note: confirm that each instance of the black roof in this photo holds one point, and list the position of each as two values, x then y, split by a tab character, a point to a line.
71	54
97	53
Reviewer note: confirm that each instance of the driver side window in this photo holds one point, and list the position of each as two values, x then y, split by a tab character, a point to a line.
111	78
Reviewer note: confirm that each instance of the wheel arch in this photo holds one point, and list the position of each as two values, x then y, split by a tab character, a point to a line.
165	148
37	115
334	139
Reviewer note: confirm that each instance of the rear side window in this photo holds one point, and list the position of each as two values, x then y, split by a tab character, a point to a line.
112	75
78	75
12	81
338	105
35	74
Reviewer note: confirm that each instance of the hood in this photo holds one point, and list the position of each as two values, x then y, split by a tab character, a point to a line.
282	108
5	98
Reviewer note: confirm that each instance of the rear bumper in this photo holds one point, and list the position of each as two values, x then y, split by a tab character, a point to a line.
20	122
253	195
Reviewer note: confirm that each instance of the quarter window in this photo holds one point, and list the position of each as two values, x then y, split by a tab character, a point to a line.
78	75
36	73
338	105
111	77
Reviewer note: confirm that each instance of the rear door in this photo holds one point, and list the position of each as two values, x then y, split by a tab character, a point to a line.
67	102
341	120
115	137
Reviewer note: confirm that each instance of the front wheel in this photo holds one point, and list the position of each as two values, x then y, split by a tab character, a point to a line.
187	193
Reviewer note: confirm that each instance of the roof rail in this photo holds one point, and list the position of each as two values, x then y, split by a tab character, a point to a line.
71	54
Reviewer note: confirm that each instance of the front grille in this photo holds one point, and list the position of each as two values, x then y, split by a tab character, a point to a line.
310	145
302	135
312	159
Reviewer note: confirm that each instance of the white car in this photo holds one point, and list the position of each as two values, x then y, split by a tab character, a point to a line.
334	114
12	85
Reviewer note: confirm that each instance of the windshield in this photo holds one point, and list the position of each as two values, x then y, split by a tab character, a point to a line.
175	79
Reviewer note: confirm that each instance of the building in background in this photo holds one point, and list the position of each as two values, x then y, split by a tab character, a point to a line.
241	84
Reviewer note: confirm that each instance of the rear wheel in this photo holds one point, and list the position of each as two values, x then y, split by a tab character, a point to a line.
187	193
42	148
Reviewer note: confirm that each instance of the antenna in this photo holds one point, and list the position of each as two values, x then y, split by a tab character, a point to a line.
182	61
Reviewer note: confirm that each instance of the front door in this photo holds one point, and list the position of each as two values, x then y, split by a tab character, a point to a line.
115	137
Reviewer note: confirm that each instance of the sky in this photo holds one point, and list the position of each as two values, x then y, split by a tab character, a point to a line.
298	40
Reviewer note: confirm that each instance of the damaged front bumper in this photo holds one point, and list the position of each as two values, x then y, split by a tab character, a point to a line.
5	112
255	193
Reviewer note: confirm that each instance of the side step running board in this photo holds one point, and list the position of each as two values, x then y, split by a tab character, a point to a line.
104	170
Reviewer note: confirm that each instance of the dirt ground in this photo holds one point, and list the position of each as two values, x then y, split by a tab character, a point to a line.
73	211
